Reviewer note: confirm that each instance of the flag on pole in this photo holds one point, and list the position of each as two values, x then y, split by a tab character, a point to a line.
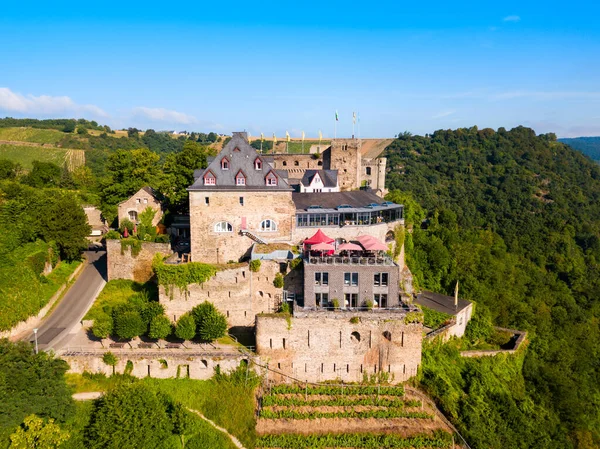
302	136
456	295
262	136
287	136
274	140
354	118
320	137
336	116
248	137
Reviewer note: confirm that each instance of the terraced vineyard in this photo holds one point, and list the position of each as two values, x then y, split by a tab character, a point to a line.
328	416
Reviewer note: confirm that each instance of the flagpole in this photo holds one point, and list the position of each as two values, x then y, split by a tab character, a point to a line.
335	126
353	122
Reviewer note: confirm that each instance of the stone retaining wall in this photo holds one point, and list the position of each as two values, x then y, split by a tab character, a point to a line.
127	266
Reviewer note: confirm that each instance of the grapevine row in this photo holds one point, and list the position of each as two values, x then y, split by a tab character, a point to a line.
339	400
335	390
382	414
439	439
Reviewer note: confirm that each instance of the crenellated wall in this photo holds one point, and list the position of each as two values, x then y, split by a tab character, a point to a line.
342	345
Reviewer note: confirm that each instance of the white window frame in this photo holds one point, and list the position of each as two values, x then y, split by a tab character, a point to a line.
223	226
258	164
210	180
240	180
271	228
224	164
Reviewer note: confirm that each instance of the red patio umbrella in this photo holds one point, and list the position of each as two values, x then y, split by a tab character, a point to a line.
319	237
322	247
349	247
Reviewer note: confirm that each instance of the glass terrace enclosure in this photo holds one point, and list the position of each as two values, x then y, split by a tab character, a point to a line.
346	215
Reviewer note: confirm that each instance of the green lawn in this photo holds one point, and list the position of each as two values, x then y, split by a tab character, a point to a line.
49	136
294	147
25	155
118	292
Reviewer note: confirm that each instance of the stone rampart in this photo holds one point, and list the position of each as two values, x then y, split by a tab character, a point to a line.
124	265
238	293
160	365
320	346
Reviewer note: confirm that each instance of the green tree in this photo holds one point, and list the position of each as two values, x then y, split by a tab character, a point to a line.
130	417
110	359
213	327
103	326
63	221
69	126
278	280
34	433
160	327
9	169
43	174
186	327
81	130
128	324
31	384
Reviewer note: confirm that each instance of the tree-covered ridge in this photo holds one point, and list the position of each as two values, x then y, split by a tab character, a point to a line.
514	217
589	146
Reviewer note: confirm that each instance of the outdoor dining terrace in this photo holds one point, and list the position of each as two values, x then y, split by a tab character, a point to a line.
367	259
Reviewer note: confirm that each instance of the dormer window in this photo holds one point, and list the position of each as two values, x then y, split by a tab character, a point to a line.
210	179
271	179
240	178
257	164
224	164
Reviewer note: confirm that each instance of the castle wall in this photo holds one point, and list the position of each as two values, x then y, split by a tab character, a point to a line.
238	293
160	365
208	208
136	268
319	346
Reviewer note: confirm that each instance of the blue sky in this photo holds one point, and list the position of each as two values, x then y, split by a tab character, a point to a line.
277	66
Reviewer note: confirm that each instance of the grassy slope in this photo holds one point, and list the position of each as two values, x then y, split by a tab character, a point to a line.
45	136
25	155
23	293
228	405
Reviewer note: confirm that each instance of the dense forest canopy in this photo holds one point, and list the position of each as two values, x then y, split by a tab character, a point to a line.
587	145
515	218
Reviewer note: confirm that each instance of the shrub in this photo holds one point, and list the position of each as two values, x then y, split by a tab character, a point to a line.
369	304
162	238
255	265
149	310
181	275
214	327
160	327
186	327
125	223
110	359
278	281
112	235
128	368
335	303
295	263
355	320
201	311
132	242
103	326
285	307
128	325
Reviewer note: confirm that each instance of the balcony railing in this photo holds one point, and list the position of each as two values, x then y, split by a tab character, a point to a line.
348	260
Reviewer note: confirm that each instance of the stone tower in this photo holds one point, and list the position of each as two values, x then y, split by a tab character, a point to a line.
345	156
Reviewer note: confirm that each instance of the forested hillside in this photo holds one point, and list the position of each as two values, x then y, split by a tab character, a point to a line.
587	145
515	218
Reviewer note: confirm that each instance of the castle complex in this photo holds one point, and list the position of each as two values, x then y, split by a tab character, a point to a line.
348	318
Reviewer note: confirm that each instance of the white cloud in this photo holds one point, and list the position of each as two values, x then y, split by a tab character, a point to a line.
44	104
164	115
444	114
512	19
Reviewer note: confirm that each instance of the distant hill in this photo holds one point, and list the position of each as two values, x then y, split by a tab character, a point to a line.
587	145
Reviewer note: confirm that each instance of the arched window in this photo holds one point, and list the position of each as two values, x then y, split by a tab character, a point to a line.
387	335
284	163
355	337
223	226
320	163
268	226
296	163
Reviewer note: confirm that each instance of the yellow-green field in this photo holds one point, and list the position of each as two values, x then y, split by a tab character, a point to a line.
25	155
47	136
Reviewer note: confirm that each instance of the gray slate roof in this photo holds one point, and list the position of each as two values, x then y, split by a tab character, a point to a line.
441	303
329	177
330	200
239	160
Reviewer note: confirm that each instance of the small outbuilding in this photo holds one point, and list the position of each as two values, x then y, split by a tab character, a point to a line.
132	207
460	309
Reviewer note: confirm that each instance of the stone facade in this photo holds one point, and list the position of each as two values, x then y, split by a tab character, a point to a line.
131	208
297	164
346	158
373	173
243	211
136	268
321	346
324	282
238	293
158	364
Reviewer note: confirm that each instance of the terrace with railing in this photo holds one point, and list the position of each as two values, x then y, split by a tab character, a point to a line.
350	260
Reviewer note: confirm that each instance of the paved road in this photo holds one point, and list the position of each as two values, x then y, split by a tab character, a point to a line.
55	329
